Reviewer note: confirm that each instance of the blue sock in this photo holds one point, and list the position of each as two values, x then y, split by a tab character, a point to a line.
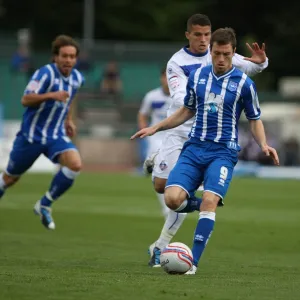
189	205
61	182
1	193
202	234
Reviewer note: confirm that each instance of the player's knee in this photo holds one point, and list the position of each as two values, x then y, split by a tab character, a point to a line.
159	185
69	173
10	180
75	166
209	202
173	198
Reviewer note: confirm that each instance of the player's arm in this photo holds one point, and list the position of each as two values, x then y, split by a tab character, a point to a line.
36	91
143	114
69	121
180	116
254	64
142	120
177	82
252	111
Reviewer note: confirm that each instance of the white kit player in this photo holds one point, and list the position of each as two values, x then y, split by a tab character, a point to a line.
154	109
181	64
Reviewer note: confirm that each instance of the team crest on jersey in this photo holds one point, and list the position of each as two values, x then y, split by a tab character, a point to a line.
232	86
213	103
170	70
163	165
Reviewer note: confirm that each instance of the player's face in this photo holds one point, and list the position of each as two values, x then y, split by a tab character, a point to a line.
66	59
221	56
199	38
164	83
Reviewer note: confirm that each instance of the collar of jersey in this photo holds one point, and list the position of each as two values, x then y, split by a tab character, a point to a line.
63	77
222	76
194	54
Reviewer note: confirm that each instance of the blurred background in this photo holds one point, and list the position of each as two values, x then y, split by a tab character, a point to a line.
123	48
106	223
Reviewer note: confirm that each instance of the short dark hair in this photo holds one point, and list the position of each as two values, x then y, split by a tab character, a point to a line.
63	41
223	36
197	19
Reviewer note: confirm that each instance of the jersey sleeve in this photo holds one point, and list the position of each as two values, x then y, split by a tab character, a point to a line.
80	78
39	82
190	96
248	67
177	82
251	103
145	108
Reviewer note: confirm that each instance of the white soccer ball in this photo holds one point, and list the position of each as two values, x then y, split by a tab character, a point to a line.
176	258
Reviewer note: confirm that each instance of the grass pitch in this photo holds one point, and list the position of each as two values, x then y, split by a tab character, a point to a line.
106	222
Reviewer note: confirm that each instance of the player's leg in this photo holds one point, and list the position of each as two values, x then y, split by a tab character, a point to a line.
66	154
164	162
174	220
183	181
216	182
21	158
154	145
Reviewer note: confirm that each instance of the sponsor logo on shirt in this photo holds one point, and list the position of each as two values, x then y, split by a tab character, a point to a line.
32	86
174	82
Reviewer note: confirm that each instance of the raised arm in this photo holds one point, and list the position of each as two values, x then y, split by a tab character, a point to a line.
254	64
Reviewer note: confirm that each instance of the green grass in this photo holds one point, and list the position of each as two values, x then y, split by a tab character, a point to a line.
106	222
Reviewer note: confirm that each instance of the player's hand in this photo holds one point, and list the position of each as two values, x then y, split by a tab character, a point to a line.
61	96
70	128
269	151
144	132
258	55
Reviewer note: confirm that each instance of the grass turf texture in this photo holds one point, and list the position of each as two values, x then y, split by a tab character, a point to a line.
106	222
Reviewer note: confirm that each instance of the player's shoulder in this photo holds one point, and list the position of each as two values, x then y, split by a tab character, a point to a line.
178	58
154	93
241	77
45	69
238	73
78	78
200	72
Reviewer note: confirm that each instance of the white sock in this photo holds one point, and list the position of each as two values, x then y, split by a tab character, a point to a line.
164	208
171	226
2	183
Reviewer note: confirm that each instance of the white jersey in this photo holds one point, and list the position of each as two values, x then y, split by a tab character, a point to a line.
155	104
179	67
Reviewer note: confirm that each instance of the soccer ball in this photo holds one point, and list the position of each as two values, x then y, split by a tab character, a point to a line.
176	258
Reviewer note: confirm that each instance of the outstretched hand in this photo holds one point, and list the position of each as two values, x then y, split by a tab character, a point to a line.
269	151
143	133
258	54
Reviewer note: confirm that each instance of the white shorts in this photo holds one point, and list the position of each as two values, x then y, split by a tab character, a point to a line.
154	144
168	155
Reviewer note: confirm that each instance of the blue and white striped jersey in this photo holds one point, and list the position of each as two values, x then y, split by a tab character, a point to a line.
179	67
219	102
155	104
45	122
